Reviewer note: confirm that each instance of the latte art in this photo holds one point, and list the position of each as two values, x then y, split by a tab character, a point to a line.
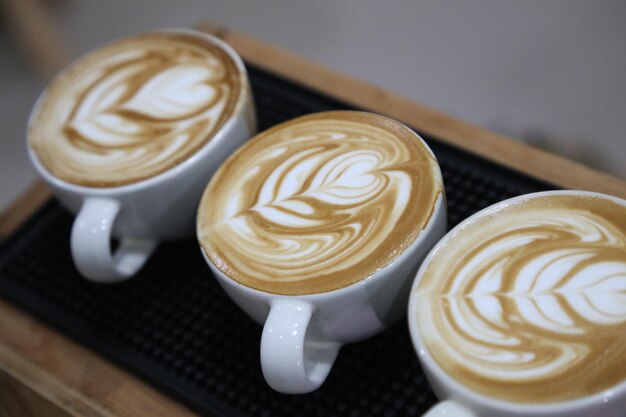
134	108
318	203
529	303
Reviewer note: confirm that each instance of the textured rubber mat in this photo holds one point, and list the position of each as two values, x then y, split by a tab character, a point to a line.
173	325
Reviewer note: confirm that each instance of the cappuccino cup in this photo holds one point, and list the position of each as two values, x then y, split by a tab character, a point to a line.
128	136
521	309
315	229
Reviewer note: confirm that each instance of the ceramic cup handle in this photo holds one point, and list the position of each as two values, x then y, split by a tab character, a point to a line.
91	244
293	362
449	408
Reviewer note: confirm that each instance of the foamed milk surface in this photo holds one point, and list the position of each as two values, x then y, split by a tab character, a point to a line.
318	203
529	304
134	108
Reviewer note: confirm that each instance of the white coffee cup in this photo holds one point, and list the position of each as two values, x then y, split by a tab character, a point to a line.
315	228
458	399
161	207
302	334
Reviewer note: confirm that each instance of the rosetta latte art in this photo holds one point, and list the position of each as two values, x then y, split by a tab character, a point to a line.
529	304
134	109
318	203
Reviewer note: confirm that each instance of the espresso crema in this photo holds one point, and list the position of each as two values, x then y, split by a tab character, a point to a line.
134	108
318	203
528	303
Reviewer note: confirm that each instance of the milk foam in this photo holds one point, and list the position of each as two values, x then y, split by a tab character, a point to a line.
322	203
134	108
531	293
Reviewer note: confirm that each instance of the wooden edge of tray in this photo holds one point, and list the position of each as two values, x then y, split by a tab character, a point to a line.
467	136
23	207
43	372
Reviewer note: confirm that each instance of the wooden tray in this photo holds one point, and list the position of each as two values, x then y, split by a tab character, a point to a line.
45	373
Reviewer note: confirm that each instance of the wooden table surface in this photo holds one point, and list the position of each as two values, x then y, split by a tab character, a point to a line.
43	373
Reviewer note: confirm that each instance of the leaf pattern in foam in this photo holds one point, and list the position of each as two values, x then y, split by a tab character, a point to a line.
320	201
535	296
136	108
325	176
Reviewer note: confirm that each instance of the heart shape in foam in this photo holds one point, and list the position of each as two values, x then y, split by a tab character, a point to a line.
132	109
320	178
178	92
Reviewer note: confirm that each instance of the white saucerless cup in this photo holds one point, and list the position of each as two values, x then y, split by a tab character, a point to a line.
315	228
520	309
106	101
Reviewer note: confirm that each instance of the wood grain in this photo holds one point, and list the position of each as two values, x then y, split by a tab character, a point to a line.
43	373
47	371
36	33
22	208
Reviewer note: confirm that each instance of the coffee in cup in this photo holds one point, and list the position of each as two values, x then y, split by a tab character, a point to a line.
134	108
128	136
525	302
318	203
315	228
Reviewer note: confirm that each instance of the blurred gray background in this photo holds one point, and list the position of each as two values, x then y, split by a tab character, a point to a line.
552	73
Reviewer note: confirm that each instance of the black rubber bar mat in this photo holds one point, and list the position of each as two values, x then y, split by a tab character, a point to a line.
173	325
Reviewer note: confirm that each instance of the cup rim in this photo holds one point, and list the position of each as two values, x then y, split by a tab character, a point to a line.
440	208
172	171
462	391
